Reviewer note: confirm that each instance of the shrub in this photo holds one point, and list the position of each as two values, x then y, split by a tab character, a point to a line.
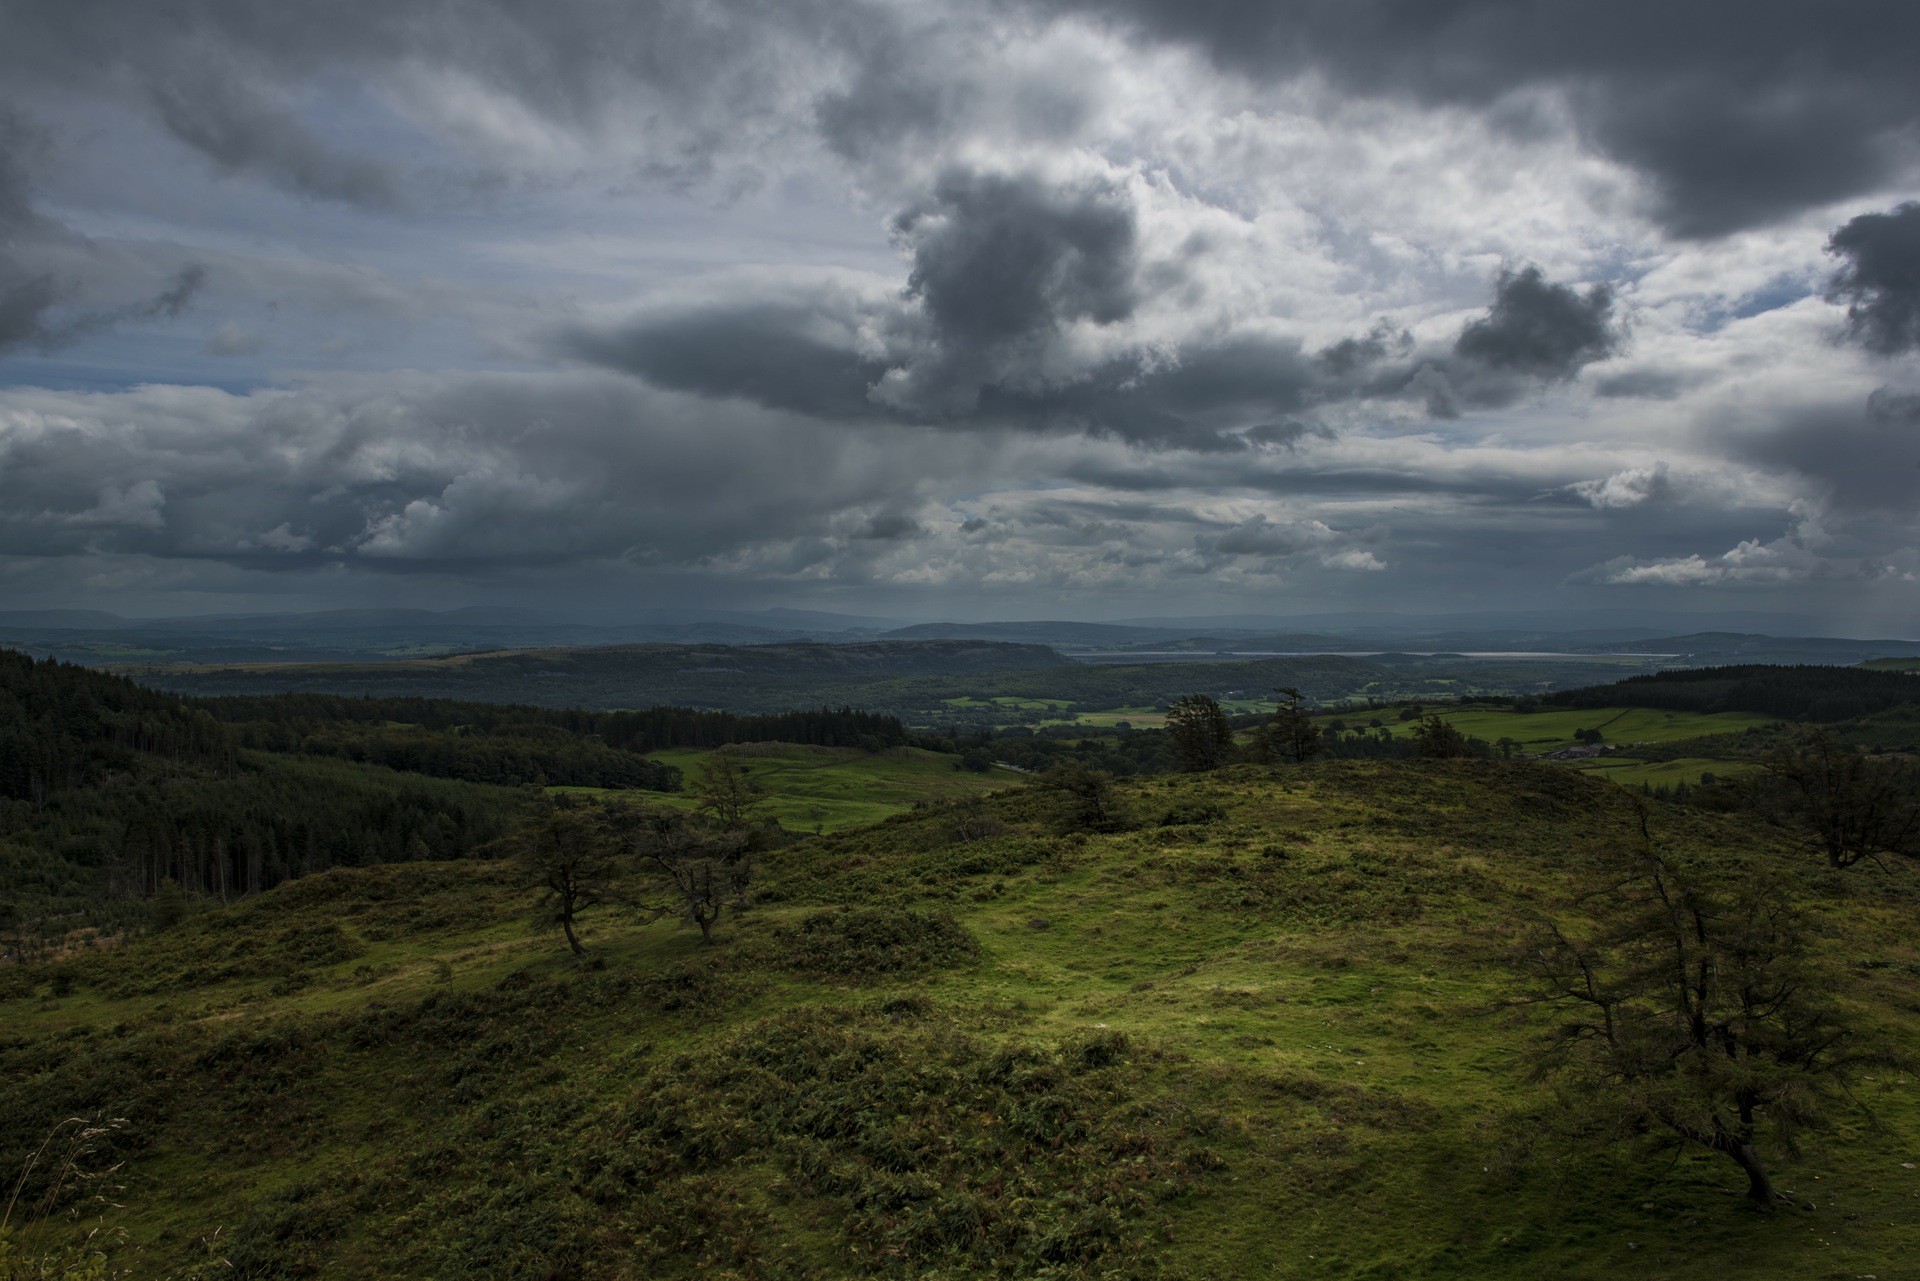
851	942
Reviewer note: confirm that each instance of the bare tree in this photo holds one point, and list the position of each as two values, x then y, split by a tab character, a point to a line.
705	872
1854	806
1692	1007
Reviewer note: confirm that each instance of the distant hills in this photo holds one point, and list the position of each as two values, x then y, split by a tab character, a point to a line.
736	677
386	635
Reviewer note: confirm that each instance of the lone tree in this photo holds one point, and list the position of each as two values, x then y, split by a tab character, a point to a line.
567	854
1291	734
1433	737
1854	806
1202	739
1693	1007
727	797
705	872
1088	800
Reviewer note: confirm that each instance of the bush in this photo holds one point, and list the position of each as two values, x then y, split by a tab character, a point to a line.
854	942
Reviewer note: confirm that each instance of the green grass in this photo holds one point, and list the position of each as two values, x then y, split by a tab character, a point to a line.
1892	664
833	788
1269	1044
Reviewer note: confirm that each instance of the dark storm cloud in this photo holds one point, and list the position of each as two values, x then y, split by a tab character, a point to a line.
1350	355
27	291
889	527
38	289
1287	435
963	347
243	131
1740	111
810	357
408	473
1002	260
1647	384
695	78
1880	281
1540	329
780	353
1535	333
1859	458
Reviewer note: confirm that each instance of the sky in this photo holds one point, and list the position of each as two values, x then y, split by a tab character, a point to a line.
1006	309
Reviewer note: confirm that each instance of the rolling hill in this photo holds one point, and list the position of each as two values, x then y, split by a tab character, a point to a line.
1277	1005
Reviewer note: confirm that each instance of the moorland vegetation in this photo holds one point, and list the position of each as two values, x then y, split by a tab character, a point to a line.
1351	991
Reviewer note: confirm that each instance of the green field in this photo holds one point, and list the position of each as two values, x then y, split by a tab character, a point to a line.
1272	1043
830	788
1546	731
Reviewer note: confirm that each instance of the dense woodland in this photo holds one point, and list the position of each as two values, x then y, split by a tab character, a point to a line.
109	791
512	745
1799	693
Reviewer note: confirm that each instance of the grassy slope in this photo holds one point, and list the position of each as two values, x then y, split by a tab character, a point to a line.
833	788
1312	1037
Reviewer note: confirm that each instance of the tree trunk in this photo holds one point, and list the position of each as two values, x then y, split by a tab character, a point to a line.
566	927
706	928
1759	1186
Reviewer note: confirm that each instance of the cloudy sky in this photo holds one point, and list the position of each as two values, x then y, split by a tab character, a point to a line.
1016	308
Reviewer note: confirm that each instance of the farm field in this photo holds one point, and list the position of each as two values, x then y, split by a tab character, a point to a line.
1187	1051
1546	731
829	789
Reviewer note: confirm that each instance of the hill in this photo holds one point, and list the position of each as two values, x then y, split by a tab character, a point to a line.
108	789
924	682
744	678
1266	1031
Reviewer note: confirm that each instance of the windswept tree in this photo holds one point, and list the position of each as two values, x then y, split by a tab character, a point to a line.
1437	739
1852	806
727	796
703	871
566	853
1693	1006
1088	802
1290	734
1202	739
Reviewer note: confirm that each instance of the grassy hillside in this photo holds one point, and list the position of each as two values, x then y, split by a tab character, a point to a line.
1263	1033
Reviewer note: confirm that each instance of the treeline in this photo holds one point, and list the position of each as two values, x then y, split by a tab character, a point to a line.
497	743
228	835
1805	692
65	727
107	790
1126	755
509	756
